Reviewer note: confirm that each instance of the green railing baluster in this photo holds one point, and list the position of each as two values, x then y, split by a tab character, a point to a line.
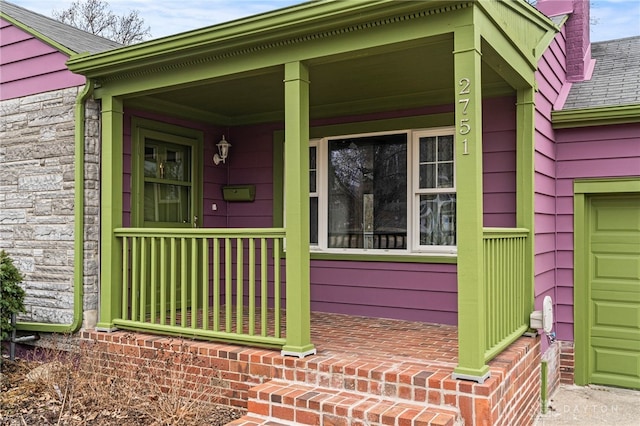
264	294
144	264
216	284
205	283
276	286
154	279
183	282
194	283
135	278
228	306
239	286
163	282
125	277
252	286
173	272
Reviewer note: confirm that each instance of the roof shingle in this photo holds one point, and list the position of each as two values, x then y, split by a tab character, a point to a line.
70	37
616	76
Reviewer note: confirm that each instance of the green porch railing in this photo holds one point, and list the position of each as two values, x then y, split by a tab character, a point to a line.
507	292
222	284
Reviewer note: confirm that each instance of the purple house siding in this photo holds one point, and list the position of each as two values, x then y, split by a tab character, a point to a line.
551	78
589	152
411	291
251	162
499	162
30	66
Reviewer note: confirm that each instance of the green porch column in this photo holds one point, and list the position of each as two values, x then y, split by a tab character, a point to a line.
111	213
525	214
471	294
296	165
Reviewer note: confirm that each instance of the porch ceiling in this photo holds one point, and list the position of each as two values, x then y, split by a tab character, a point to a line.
396	77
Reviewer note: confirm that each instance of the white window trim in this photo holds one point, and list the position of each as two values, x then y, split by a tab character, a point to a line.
412	187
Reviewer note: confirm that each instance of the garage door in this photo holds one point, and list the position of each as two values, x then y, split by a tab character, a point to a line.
614	290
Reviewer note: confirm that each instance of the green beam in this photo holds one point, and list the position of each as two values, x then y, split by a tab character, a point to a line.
296	154
525	217
471	294
111	213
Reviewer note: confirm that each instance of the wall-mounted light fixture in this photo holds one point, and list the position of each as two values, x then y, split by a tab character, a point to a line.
223	151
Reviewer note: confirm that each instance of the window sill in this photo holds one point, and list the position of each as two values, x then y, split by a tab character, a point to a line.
404	257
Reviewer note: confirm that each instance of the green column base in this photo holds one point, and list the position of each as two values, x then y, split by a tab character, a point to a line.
472	374
299	351
101	326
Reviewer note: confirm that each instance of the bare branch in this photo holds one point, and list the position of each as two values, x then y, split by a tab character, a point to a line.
96	17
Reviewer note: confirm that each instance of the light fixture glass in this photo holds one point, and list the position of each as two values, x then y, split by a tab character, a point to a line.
223	151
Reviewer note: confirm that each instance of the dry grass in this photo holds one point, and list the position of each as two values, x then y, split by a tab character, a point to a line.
90	386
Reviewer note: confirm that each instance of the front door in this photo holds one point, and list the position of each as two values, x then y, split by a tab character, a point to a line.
613	274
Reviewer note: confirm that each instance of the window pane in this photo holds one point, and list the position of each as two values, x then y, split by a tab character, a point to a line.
445	148
313	185
368	192
313	220
438	220
445	175
312	157
312	181
427	149
166	203
427	176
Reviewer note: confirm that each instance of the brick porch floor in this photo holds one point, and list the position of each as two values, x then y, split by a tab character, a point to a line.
367	371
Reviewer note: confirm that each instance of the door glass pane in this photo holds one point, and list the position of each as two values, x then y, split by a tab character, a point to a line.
438	219
150	161
367	193
174	168
167	203
167	187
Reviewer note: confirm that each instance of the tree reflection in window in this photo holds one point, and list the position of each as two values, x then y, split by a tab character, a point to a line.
367	192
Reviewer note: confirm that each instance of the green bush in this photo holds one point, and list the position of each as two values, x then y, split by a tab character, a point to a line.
11	294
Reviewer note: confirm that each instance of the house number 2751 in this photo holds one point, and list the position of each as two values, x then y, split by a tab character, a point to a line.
465	127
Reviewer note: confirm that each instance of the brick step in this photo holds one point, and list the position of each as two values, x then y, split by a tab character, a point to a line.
413	381
286	403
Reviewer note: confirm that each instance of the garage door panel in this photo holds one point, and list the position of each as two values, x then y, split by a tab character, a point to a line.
616	341
617	314
620	265
612	361
615	290
616	215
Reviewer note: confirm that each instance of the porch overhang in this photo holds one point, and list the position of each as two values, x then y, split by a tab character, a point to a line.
213	74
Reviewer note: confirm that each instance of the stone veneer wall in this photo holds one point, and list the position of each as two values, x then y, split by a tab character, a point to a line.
37	183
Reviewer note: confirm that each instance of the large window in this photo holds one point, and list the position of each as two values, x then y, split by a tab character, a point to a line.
385	192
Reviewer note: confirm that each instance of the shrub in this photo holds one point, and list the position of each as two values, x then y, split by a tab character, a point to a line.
11	294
